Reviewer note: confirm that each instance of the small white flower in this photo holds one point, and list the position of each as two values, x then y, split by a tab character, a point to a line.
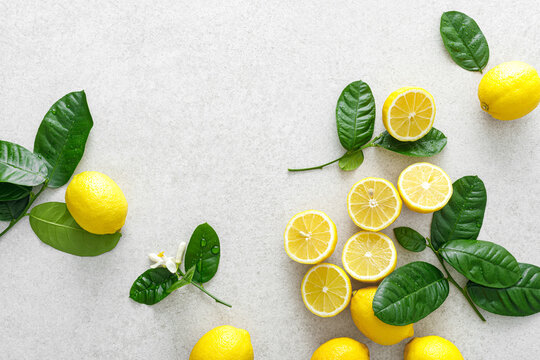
166	261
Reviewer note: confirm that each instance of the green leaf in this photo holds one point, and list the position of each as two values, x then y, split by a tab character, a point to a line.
483	262
11	210
410	239
462	217
355	115
521	299
431	144
464	41
185	280
203	252
62	136
13	191
351	160
152	286
19	166
410	293
54	225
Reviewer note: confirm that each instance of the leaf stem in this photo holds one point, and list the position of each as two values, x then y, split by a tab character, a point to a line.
454	282
23	213
200	287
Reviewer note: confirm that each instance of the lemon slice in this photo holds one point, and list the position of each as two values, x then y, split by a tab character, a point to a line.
408	113
424	187
310	237
369	256
373	204
326	290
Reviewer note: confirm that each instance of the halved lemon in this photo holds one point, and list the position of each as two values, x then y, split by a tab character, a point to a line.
326	290
369	256
424	187
310	237
408	113
373	203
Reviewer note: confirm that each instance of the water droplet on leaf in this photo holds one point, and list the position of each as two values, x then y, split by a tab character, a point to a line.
215	250
199	265
203	242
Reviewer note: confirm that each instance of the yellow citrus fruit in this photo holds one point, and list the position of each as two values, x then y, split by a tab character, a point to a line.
326	290
341	349
310	237
510	90
424	187
431	348
365	320
369	256
408	113
373	204
96	203
223	343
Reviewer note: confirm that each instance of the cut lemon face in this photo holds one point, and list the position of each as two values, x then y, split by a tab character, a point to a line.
424	187
408	113
310	237
373	204
369	256
326	290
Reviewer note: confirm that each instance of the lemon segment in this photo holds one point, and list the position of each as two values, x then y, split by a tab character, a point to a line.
310	237
96	203
408	113
510	90
326	290
369	256
424	187
431	348
223	343
341	349
371	326
373	204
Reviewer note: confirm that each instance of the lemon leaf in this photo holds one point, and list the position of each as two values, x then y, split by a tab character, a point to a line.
203	252
483	262
410	239
521	299
461	218
464	41
13	191
19	166
351	160
355	115
185	280
54	225
431	144
11	210
62	136
152	286
410	293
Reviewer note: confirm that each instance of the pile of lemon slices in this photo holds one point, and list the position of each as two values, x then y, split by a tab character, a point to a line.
373	204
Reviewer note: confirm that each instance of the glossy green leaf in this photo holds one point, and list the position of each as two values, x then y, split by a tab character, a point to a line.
152	286
355	115
20	166
462	217
62	136
410	293
431	144
410	239
203	252
185	280
13	191
464	41
483	262
12	209
351	160
521	299
55	226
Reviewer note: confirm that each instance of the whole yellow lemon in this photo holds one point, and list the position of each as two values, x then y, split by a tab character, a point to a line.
223	343
365	320
431	348
510	90
341	349
96	203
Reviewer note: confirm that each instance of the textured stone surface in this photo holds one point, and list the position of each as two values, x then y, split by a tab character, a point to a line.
199	109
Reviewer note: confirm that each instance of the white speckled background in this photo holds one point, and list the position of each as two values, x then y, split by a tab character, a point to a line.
199	108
